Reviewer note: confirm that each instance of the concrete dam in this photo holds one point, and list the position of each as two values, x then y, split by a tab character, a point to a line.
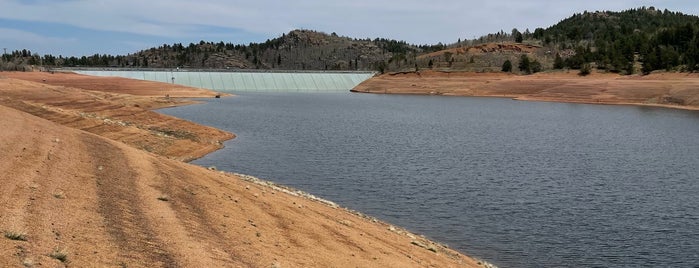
248	80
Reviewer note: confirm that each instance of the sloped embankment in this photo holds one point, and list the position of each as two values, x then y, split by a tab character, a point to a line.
73	198
674	90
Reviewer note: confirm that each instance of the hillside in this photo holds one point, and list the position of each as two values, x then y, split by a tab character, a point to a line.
73	198
639	40
632	41
618	41
487	57
297	50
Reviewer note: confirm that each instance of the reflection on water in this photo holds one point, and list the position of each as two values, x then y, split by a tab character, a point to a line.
520	184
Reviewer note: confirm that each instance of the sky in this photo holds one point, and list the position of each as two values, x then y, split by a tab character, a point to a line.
120	27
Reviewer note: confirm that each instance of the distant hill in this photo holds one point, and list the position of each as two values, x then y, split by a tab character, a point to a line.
618	40
631	41
296	50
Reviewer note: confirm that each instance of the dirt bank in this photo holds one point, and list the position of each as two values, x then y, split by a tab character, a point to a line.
115	108
70	197
673	90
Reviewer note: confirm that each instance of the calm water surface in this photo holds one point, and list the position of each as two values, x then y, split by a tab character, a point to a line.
519	184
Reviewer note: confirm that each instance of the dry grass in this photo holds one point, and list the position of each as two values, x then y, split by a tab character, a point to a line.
59	254
59	195
16	235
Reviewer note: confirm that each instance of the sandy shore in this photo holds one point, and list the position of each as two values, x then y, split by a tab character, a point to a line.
115	108
673	90
92	178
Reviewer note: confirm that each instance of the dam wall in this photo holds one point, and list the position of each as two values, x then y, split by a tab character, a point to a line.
248	81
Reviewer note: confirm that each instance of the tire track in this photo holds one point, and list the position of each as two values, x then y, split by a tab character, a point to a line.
118	201
189	211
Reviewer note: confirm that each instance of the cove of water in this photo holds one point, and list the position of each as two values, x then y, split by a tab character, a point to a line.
519	184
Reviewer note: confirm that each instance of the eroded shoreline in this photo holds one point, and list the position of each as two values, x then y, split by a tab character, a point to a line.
668	90
116	108
98	197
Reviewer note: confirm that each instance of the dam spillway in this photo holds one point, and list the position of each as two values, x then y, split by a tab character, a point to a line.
247	80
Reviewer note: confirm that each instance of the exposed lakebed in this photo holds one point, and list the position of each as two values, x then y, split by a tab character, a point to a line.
519	184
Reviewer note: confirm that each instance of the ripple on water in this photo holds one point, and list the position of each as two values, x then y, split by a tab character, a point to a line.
520	184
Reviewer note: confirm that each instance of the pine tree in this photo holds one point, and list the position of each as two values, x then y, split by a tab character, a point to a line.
535	66
558	62
525	65
507	66
517	35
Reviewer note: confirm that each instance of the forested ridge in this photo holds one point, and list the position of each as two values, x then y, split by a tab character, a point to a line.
616	40
638	40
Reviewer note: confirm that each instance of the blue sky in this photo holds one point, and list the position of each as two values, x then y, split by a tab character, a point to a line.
86	27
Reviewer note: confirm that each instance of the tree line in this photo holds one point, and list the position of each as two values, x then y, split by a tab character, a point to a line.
636	40
617	41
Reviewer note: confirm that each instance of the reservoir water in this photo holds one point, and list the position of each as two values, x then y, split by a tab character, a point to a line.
519	184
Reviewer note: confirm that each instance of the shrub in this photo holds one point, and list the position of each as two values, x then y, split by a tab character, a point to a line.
59	254
585	69
20	236
507	66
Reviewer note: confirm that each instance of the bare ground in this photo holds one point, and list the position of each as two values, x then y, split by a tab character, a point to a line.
115	108
674	90
80	191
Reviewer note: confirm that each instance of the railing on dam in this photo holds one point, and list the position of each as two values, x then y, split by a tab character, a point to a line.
248	81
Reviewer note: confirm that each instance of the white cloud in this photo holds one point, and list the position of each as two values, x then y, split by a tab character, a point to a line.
175	18
13	38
